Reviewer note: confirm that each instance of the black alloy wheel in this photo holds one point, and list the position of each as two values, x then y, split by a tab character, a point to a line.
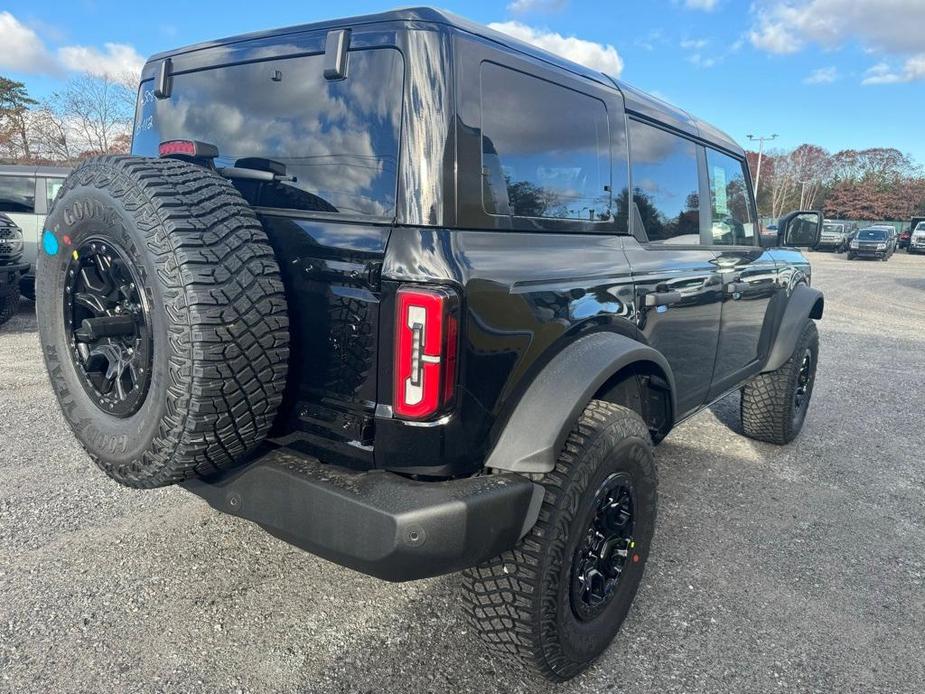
108	327
804	382
607	546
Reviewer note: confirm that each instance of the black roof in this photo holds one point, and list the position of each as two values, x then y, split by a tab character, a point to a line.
636	101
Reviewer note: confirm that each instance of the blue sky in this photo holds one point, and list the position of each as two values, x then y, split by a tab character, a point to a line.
838	73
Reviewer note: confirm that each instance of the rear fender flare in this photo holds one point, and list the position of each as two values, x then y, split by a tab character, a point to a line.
805	302
540	423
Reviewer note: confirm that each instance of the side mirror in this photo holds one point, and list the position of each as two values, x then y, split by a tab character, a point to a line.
802	228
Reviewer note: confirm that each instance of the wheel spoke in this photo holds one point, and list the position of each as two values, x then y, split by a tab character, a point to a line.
601	558
108	327
91	301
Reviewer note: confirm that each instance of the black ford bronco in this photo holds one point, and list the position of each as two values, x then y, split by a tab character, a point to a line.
420	298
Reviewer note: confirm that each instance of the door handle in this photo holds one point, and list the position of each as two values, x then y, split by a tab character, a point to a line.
662	298
736	287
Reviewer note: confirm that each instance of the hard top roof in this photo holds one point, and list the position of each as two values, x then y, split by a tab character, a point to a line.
636	101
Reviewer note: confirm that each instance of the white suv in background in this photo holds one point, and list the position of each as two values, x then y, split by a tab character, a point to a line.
26	193
917	240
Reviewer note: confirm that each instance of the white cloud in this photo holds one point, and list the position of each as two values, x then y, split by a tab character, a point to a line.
702	60
705	5
524	6
694	44
116	60
822	75
785	26
603	57
25	51
882	73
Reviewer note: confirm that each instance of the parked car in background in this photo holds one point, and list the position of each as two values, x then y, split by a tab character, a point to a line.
873	242
26	193
12	267
906	236
917	239
834	237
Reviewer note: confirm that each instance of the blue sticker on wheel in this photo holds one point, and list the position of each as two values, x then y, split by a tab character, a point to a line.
50	243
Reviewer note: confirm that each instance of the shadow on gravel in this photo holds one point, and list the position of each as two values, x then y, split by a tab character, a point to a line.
912	282
727	412
24	321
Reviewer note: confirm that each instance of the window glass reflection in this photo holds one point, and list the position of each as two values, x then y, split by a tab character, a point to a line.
337	139
666	198
732	222
545	149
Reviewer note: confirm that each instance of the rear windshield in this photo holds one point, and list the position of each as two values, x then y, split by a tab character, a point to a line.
872	234
338	140
833	227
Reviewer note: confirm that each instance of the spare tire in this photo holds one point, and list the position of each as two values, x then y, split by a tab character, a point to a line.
162	318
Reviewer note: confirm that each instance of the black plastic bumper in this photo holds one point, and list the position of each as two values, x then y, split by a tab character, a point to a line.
10	274
377	522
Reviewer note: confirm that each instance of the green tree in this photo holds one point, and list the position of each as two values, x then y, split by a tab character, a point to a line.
14	117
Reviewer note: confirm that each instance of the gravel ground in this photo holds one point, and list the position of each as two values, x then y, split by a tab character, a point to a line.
799	568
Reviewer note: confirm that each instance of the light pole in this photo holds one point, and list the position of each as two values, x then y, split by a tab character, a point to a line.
761	140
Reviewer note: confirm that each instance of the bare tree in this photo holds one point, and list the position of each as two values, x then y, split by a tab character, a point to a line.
91	115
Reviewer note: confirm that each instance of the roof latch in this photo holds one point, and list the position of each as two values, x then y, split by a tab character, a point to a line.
336	46
164	80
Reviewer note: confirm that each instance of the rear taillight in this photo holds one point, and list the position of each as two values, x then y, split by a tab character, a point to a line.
426	338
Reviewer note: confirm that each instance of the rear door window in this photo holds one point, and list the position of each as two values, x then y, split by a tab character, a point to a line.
545	149
666	186
336	142
17	194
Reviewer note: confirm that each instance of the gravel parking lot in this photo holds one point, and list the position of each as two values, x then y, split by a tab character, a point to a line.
774	569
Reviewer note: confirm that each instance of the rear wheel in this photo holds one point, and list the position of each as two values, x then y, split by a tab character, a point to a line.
774	404
162	319
556	601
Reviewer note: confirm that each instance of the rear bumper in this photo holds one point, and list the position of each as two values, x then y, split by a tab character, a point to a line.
377	522
861	253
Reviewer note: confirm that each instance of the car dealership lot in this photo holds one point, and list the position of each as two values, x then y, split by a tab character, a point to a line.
774	569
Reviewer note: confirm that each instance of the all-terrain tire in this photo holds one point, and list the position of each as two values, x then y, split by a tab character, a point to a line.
521	602
219	326
770	409
9	303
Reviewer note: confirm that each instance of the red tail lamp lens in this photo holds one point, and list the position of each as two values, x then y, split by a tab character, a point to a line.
426	339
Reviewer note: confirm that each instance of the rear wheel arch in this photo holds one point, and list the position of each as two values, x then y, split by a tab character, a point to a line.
643	387
597	364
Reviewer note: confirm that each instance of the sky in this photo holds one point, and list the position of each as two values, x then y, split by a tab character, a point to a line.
843	74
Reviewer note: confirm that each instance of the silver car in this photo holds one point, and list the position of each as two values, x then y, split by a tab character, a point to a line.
26	193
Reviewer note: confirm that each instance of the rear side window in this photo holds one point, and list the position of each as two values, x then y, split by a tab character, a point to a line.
545	149
666	187
732	219
17	194
336	141
52	186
